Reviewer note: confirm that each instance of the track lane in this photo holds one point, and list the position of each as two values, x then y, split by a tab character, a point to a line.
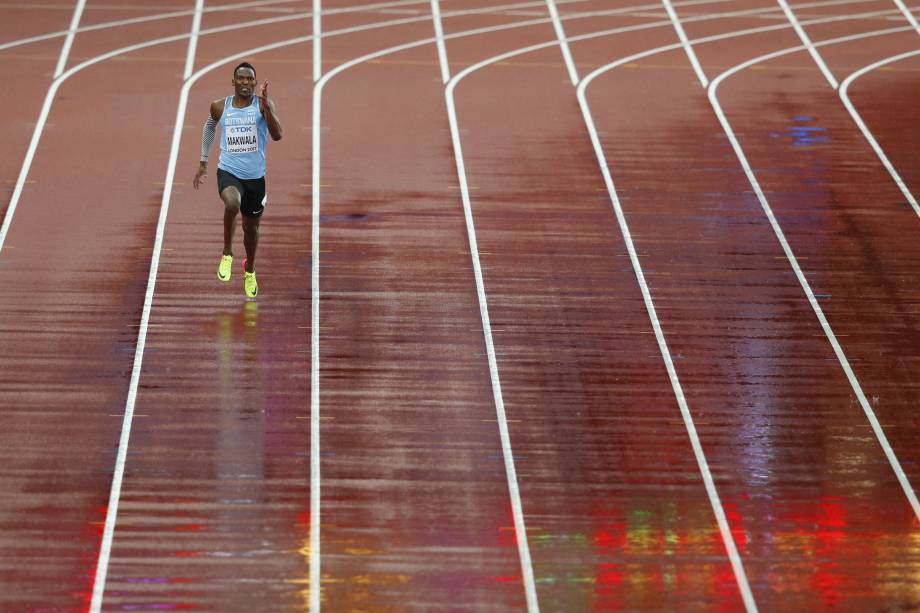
908	489
883	126
862	221
247	428
409	397
69	327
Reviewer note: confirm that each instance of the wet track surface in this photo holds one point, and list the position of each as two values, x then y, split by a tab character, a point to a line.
418	496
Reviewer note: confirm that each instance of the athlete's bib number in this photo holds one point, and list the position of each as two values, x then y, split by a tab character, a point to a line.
242	139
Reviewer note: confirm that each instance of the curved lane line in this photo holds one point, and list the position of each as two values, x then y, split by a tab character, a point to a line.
806	287
749	601
42	117
708	482
514	493
843	92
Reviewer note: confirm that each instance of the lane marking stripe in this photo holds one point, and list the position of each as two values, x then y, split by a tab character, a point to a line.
688	48
806	42
843	92
563	42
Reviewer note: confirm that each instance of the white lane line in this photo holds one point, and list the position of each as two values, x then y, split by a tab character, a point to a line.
111	514
40	124
439	35
843	92
688	48
517	511
819	312
315	500
68	42
514	493
908	15
806	41
317	40
715	502
193	40
315	580
563	42
520	529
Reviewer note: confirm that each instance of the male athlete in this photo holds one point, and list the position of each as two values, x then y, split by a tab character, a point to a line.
243	120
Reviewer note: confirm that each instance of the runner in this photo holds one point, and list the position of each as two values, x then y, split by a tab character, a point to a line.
244	120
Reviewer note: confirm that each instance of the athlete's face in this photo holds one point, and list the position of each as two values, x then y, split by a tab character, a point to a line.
244	82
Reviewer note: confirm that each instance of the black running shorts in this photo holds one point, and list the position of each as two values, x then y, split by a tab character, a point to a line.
252	192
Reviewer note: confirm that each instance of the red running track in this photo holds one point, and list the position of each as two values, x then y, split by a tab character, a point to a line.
595	499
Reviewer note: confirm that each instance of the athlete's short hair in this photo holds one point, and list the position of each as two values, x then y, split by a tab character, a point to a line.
245	65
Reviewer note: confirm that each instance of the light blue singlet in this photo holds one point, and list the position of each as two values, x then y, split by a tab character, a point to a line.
243	136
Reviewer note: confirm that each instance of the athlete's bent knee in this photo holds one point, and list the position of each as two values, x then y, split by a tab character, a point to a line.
231	198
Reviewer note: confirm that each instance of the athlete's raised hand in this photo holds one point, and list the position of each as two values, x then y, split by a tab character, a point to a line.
263	96
268	112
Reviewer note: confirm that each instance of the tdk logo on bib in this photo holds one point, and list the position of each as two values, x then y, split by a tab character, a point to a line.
240	134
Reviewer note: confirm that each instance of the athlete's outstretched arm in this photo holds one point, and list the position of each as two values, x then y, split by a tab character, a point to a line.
207	139
268	111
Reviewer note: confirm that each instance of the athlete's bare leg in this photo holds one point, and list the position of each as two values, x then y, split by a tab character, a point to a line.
250	240
231	198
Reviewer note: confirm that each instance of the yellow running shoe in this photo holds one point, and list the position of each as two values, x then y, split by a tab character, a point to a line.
224	268
250	285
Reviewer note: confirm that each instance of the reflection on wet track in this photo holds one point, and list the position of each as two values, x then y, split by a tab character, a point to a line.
214	512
